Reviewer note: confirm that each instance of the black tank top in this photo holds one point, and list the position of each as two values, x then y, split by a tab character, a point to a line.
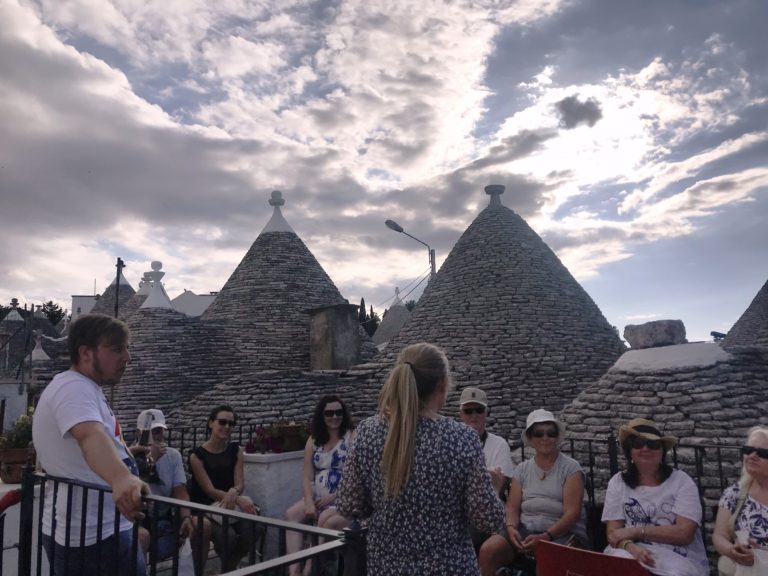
220	469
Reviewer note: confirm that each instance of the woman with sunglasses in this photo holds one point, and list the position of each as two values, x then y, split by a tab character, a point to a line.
419	478
545	498
331	437
652	511
217	479
750	496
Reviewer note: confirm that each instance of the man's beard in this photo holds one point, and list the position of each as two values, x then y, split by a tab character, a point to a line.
100	378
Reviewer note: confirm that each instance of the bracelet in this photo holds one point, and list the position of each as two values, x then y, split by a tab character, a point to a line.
625	544
548	533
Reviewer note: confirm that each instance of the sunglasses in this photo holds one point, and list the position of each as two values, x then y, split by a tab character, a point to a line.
762	452
332	413
225	422
547	433
639	443
475	410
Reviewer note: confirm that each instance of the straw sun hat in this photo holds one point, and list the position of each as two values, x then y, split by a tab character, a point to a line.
645	429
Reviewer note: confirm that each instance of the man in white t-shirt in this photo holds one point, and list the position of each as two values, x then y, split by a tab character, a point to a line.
77	437
473	411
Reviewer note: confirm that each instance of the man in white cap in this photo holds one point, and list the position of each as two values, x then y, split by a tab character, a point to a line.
473	410
166	477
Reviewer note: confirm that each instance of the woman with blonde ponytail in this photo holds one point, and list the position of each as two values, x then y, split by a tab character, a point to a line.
417	477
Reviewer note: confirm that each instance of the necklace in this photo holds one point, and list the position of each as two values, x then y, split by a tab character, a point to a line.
541	472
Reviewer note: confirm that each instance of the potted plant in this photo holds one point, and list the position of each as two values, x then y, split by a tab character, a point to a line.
278	437
16	448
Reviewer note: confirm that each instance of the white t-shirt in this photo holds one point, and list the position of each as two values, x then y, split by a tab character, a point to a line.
497	454
660	506
70	399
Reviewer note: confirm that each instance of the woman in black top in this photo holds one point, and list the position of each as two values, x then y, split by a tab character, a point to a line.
217	478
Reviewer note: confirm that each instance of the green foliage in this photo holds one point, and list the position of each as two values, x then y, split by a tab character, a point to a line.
20	435
53	312
372	322
410	305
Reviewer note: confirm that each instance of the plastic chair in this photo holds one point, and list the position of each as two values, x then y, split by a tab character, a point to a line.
558	560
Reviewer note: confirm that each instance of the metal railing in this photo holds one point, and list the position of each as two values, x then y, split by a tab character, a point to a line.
349	544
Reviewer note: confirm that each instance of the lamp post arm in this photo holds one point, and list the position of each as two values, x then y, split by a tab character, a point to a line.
417	240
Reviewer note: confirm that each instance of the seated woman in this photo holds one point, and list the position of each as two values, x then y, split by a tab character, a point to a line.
324	456
750	497
652	511
544	501
217	478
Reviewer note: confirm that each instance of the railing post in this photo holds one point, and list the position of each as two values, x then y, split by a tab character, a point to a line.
26	519
354	551
613	454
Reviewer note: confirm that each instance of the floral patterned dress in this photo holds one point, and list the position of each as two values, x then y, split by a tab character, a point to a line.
753	516
328	467
425	530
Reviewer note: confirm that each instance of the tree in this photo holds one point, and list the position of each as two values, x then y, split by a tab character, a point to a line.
410	305
361	312
53	312
372	322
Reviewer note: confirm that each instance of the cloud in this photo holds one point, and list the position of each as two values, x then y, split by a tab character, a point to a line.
573	112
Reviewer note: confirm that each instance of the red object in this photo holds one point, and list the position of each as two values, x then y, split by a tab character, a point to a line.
10	499
558	560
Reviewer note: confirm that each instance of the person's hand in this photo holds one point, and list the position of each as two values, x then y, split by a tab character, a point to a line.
187	527
126	492
309	510
230	499
157	450
514	538
531	541
742	554
641	554
246	505
323	501
497	478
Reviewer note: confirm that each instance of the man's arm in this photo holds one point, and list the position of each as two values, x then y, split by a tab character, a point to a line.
100	454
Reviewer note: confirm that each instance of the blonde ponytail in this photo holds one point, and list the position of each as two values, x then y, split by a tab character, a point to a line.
413	380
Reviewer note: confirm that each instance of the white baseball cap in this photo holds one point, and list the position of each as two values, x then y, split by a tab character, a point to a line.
151	419
473	396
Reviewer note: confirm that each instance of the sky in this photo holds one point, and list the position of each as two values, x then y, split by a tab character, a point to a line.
632	136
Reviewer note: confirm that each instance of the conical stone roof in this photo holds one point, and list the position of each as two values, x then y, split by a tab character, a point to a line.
106	303
263	306
394	319
512	320
751	329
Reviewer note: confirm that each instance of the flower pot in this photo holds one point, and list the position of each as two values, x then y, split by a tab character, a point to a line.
12	462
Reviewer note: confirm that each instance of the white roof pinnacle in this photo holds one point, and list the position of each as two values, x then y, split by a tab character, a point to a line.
157	297
277	223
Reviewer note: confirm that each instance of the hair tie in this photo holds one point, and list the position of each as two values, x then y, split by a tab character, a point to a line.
409	364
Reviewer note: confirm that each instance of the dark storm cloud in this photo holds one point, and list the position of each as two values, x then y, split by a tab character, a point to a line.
512	148
573	111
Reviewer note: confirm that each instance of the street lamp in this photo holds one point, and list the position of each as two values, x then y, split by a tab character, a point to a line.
392	225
